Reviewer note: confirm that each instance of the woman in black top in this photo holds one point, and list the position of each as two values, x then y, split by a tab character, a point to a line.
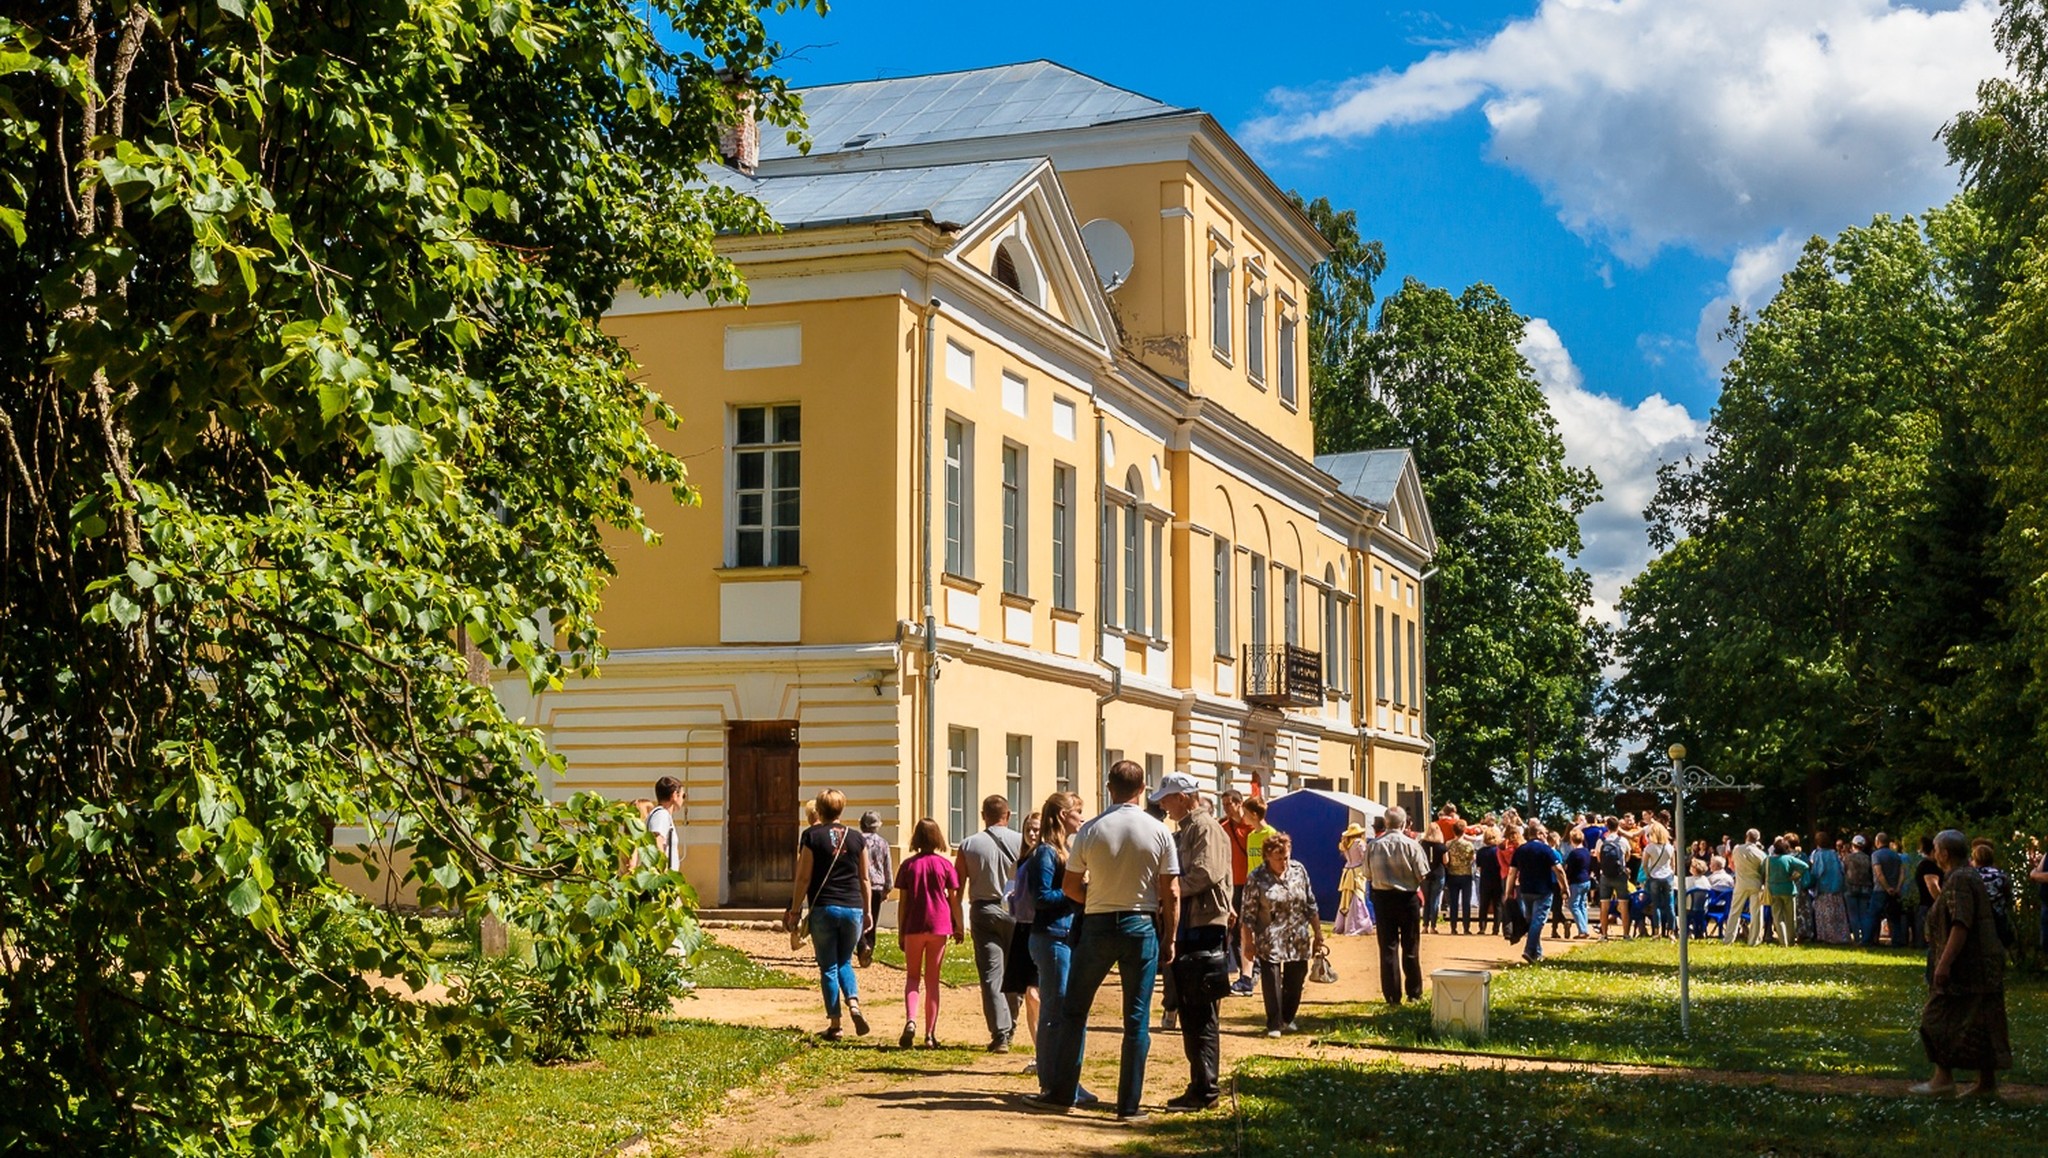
831	873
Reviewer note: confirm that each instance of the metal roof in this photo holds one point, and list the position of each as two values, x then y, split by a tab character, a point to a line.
1038	96
946	195
1371	475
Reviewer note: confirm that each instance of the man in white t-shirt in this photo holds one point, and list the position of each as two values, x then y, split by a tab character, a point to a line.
1124	871
661	823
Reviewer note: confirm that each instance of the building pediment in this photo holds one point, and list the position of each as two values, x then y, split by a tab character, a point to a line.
1027	247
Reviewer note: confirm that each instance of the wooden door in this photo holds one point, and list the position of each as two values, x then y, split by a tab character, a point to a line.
762	810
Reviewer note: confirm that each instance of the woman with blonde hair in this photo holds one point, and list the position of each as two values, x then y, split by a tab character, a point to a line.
927	912
1660	869
832	874
1041	873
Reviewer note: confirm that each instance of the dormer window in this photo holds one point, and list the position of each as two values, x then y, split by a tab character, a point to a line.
1017	270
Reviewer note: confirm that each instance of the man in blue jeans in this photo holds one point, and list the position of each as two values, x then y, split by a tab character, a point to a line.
1536	876
1123	870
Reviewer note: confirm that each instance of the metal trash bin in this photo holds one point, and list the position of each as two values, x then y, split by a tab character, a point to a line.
1459	1000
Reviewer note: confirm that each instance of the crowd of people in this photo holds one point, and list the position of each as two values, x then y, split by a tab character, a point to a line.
1178	892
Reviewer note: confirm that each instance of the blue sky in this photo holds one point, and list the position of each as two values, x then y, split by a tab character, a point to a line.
1623	170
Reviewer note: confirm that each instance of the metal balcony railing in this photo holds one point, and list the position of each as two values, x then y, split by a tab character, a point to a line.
1282	676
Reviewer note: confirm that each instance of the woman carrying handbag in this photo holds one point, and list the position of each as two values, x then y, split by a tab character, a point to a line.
832	874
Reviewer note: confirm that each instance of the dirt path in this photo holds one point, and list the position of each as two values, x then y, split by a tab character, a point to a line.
973	1105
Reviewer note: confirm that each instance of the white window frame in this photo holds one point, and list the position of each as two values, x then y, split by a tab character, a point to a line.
1158	565
1017	774
1016	519
772	453
961	744
1287	367
1108	594
1396	649
1224	577
1290	606
959	497
1255	324
1258	601
1064	479
1379	654
1066	761
1220	279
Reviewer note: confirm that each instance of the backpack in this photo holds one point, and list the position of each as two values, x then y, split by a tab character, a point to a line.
1613	857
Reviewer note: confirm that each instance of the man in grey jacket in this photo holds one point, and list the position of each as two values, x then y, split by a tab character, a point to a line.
1201	966
987	862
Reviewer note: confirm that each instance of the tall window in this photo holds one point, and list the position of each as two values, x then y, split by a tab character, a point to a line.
1223	581
767	480
1398	701
1063	537
1134	571
1017	774
1219	302
1290	606
1414	670
1158	580
1015	569
959	787
1258	603
1286	355
1330	657
1108	594
1155	769
1255	332
1066	760
1379	654
959	499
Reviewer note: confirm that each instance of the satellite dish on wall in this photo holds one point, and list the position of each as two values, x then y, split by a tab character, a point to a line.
1109	247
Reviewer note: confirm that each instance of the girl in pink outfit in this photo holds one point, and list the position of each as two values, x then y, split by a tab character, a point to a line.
927	912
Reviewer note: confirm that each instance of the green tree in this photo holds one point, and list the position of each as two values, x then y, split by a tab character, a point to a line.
1999	145
1513	664
1818	575
307	423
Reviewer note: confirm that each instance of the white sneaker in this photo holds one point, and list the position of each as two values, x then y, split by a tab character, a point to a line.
1272	1033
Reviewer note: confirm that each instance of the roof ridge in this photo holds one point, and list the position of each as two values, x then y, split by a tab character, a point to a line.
1044	60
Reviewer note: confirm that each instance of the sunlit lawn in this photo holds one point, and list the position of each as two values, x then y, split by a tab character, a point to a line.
1765	1008
1299	1108
716	966
634	1084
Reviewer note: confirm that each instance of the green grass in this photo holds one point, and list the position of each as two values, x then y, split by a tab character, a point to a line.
634	1084
1766	1008
956	968
716	966
1299	1108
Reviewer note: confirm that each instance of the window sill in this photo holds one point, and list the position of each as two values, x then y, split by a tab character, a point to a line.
1226	660
1223	356
759	574
1066	615
1292	407
959	583
1020	602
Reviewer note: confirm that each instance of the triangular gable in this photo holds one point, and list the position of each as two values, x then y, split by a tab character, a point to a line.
1407	513
1037	226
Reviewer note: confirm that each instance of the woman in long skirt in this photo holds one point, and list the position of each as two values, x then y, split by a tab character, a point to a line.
1354	919
1963	1026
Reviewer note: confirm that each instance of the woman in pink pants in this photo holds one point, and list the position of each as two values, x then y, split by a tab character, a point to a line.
927	912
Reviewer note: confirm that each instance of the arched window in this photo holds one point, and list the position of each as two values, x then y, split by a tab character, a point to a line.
1014	266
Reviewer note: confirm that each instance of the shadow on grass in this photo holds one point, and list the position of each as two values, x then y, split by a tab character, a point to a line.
1296	1108
1765	1009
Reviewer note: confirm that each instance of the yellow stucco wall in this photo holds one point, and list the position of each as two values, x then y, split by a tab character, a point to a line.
849	387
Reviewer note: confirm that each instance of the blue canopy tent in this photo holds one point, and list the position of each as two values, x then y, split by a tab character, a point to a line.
1316	818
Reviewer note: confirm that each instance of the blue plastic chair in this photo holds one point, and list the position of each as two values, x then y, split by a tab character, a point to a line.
1696	916
1718	901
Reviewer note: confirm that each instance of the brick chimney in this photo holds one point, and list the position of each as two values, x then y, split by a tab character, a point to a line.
739	140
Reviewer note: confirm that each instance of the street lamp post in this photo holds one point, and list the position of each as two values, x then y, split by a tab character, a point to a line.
1678	779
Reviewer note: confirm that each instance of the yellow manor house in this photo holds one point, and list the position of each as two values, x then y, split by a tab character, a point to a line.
1008	473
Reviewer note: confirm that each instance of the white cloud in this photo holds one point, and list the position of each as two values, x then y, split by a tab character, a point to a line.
1624	445
1752	280
1661	122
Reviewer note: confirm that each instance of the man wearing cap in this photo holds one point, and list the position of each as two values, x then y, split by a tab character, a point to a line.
881	873
1124	871
1396	865
1856	888
1201	970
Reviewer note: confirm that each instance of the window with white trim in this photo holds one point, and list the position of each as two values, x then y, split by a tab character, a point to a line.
1066	760
1107	594
1290	605
1219	299
1017	774
959	498
767	477
959	782
1016	566
1223	579
1158	579
1379	654
1258	594
1255	328
1414	670
1396	649
1063	537
1290	329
